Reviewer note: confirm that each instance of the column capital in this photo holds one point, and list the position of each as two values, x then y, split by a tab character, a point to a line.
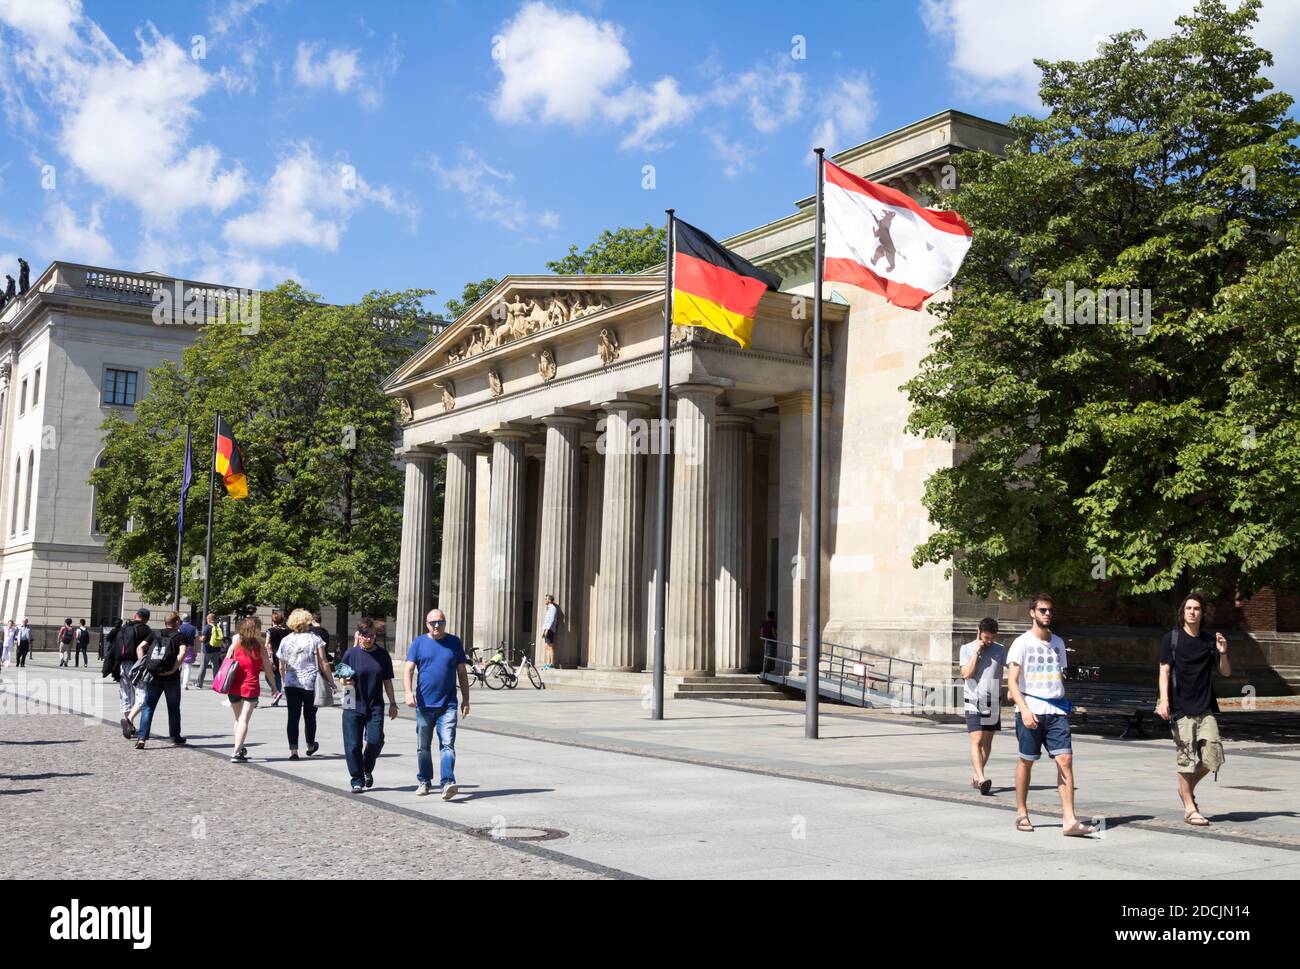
468	445
801	402
700	387
419	452
732	418
625	404
561	418
509	432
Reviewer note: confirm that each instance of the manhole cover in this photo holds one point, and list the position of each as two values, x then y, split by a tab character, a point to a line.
518	833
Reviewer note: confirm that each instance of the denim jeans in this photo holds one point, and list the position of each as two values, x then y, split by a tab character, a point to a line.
207	656
304	701
171	688
442	720
356	725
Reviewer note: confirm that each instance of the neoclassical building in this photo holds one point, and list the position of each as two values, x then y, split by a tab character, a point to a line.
538	399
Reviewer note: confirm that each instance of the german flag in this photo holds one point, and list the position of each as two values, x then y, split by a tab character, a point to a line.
230	462
713	287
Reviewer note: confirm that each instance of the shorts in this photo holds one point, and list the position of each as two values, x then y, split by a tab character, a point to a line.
548	637
1052	733
243	699
976	722
1198	743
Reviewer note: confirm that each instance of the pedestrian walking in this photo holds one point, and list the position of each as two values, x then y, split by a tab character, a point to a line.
440	659
1037	687
276	633
302	659
66	636
323	633
1189	658
367	678
550	625
189	638
10	641
164	654
24	642
83	645
248	651
982	662
127	649
211	648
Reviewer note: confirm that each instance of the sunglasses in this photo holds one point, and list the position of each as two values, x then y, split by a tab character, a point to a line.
436	622
1046	609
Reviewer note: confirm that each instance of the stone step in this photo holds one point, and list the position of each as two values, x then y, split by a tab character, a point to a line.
724	694
728	687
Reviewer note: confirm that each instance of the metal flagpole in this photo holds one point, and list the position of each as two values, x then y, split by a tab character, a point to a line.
212	490
661	523
180	530
813	563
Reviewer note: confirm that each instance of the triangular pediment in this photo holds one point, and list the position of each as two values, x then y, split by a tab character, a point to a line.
518	307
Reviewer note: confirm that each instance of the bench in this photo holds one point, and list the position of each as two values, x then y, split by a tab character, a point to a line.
1132	702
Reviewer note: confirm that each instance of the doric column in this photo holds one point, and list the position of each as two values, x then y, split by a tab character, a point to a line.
415	568
456	576
690	596
618	591
731	602
505	539
795	464
593	502
650	549
558	553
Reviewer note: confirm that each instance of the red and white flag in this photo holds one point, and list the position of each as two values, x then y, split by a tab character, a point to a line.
879	239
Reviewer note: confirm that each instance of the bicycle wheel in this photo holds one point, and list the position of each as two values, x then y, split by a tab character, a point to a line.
534	677
470	677
495	677
513	681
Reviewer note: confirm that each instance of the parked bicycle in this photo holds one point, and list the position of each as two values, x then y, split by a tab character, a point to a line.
474	667
500	672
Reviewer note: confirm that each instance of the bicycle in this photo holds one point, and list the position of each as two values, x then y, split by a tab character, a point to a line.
501	674
474	668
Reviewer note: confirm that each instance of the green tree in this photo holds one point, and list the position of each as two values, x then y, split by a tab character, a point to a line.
1155	458
471	294
620	250
322	522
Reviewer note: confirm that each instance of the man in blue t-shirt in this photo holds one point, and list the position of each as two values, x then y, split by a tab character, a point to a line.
440	658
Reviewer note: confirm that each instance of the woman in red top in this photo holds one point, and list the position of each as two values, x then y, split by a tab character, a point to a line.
248	650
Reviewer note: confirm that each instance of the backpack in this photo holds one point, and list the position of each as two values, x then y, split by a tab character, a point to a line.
163	653
83	637
65	636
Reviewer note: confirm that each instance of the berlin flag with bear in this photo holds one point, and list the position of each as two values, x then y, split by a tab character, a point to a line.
881	240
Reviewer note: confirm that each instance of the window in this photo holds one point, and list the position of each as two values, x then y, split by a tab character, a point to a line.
105	603
4	603
119	388
36	387
27	501
18	602
22	399
18	483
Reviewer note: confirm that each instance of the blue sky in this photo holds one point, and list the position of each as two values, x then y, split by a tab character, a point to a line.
424	144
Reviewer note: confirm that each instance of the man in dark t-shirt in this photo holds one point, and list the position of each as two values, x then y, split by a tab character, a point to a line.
1189	657
363	705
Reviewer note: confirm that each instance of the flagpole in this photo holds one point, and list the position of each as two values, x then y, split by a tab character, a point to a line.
212	490
661	518
180	531
812	678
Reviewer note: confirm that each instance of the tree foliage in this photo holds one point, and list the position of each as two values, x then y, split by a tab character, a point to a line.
1155	459
622	250
471	294
322	522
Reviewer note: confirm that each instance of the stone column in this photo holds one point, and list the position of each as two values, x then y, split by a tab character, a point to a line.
650	550
505	539
593	501
731	623
795	474
691	561
415	568
456	578
558	552
618	587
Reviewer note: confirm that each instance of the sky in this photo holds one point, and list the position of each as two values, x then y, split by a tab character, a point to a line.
399	144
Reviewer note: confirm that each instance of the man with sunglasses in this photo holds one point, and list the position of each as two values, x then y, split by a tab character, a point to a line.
1036	686
440	658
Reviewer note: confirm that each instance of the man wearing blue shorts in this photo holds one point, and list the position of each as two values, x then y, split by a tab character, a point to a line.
440	659
1036	686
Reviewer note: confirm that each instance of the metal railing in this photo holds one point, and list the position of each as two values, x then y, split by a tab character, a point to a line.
847	673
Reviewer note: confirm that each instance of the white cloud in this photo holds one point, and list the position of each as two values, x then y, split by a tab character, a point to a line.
772	92
231	16
306	202
847	111
663	106
344	72
487	194
75	241
1019	31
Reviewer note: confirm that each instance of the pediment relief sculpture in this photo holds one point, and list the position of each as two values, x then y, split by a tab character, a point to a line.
607	346
494	382
448	395
515	316
808	342
404	406
546	365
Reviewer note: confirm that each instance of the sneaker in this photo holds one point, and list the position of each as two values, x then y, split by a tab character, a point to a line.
139	745
238	758
293	755
275	698
312	748
449	792
178	741
126	728
243	752
370	780
358	789
422	791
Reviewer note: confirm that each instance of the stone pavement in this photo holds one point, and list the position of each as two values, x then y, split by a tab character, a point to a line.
724	790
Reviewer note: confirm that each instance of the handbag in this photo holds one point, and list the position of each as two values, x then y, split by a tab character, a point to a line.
221	682
324	692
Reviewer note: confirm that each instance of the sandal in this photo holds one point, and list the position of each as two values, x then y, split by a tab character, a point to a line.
1023	823
1196	819
1078	830
986	786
